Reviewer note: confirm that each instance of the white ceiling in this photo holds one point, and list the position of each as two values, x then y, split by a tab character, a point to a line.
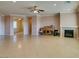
20	7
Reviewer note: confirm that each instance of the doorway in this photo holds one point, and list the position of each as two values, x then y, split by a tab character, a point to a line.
18	26
30	25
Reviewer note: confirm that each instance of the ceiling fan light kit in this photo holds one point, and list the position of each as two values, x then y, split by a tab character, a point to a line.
35	11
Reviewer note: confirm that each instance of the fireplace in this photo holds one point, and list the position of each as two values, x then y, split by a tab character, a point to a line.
69	33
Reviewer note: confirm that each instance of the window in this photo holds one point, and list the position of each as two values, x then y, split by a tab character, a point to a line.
14	24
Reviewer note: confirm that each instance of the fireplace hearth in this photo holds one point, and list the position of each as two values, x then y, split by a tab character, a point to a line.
69	33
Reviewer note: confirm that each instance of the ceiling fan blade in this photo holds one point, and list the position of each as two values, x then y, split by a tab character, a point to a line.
38	11
41	10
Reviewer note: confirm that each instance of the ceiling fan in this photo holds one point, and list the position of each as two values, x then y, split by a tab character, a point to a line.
34	9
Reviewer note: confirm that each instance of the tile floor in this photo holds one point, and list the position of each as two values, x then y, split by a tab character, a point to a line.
38	47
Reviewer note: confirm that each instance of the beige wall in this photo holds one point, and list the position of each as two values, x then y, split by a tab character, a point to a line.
7	25
34	25
68	20
50	20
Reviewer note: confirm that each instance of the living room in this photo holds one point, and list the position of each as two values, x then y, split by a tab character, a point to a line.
39	29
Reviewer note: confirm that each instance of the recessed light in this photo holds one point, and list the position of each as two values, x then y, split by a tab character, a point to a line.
19	19
55	4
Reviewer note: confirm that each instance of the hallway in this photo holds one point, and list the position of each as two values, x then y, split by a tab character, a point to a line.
41	46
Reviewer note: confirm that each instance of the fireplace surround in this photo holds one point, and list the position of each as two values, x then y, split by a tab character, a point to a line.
65	30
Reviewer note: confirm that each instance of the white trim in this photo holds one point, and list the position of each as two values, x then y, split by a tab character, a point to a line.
69	26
